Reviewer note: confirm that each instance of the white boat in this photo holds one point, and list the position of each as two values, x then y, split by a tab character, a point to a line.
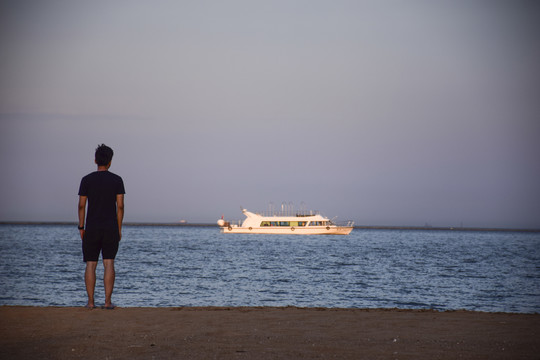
299	223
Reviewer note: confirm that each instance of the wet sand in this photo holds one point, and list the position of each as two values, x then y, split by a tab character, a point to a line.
264	333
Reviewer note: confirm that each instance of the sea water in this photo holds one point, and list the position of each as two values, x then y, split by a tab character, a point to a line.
41	265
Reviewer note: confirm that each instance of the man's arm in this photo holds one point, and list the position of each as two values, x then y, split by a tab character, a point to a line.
120	212
82	212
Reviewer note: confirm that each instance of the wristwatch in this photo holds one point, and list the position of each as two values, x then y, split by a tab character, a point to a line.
80	227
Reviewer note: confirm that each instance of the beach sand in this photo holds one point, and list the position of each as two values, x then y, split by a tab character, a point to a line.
264	333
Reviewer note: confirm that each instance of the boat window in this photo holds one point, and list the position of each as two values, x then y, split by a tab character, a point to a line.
289	223
317	223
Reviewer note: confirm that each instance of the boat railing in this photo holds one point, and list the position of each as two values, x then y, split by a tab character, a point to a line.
344	223
233	223
288	212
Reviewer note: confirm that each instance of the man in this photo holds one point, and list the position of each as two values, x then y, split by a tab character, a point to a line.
104	192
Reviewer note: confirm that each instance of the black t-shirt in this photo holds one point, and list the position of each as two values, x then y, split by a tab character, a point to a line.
101	188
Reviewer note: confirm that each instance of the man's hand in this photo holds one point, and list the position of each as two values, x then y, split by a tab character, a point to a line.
120	213
81	212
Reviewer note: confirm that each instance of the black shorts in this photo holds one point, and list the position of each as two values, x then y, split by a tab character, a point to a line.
100	241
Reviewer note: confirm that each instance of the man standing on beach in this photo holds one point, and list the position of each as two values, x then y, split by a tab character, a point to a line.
104	192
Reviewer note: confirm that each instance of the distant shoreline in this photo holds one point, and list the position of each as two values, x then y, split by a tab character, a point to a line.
359	227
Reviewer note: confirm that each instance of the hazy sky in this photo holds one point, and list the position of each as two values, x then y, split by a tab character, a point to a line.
383	112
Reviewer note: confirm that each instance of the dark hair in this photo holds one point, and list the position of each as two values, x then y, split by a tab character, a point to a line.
104	155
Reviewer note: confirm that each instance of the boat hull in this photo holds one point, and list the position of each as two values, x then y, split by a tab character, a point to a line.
309	230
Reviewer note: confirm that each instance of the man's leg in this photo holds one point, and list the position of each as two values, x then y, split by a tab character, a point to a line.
90	281
108	280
